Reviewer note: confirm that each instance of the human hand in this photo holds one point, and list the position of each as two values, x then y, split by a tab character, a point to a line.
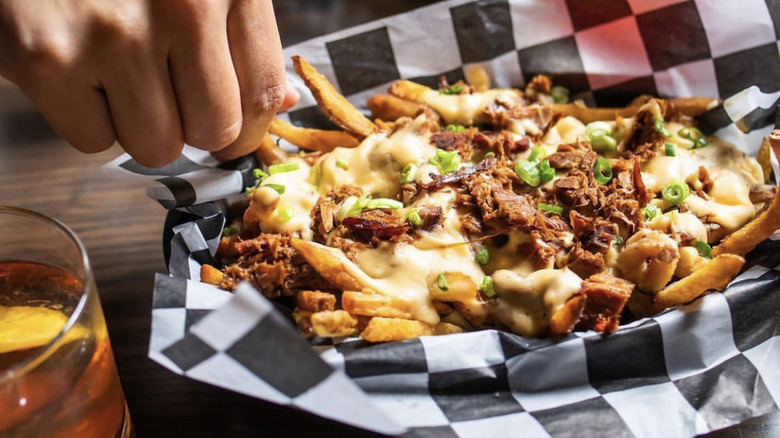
150	74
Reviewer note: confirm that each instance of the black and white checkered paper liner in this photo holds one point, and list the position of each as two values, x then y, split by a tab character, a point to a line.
687	371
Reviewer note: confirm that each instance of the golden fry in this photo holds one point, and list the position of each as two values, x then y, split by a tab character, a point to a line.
315	301
714	275
330	263
358	303
689	106
312	139
459	287
269	153
333	323
393	329
564	320
477	77
211	275
390	108
764	158
335	106
756	231
408	90
444	328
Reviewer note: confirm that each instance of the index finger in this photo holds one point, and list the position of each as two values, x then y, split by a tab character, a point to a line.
256	50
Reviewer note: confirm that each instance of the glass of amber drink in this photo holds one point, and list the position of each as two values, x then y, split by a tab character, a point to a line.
57	372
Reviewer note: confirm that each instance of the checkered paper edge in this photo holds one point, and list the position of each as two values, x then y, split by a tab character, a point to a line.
607	406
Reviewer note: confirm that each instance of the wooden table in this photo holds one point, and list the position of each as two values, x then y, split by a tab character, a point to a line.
122	230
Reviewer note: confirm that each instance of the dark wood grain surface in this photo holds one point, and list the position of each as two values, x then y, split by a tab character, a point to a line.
122	230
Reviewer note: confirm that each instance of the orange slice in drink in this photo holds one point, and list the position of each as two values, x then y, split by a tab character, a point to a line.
24	327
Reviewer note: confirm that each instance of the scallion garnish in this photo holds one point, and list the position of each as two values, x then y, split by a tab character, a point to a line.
659	126
536	153
649	212
408	173
285	213
229	231
282	167
413	216
342	164
441	281
451	89
693	134
487	286
490	154
259	175
446	161
599	135
546	173
670	150
278	188
704	248
602	171
352	206
482	256
383	203
528	171
559	94
550	208
675	192
617	241
455	128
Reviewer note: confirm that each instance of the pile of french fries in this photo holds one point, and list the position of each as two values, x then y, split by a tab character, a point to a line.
360	310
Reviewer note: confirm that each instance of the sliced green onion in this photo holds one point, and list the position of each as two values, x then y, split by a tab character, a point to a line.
408	173
559	94
649	212
441	281
659	126
693	134
675	192
350	207
487	286
282	167
670	150
602	171
279	188
342	164
536	153
446	161
258	174
546	173
528	171
599	135
550	208
455	128
285	213
482	256
617	241
451	89
278	141
490	154
229	231
704	248
385	203
413	216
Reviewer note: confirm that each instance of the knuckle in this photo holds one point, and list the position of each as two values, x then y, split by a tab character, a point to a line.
217	138
158	155
269	99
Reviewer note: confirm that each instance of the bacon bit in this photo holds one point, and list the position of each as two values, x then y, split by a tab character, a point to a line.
642	195
454	141
583	262
370	229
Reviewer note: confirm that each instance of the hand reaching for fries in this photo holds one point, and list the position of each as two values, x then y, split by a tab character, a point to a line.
150	75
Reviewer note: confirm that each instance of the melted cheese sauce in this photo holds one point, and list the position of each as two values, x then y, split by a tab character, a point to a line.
731	171
526	302
299	197
567	130
375	165
466	109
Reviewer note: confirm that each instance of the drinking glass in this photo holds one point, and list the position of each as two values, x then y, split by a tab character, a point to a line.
57	371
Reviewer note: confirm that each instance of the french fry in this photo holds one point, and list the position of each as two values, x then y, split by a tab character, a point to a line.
457	287
477	77
367	304
330	263
714	275
269	153
408	90
335	106
564	320
756	231
302	319
332	323
315	301
312	139
211	275
381	329
764	158
445	328
689	106
389	108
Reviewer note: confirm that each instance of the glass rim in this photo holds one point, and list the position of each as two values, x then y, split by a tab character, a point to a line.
25	365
